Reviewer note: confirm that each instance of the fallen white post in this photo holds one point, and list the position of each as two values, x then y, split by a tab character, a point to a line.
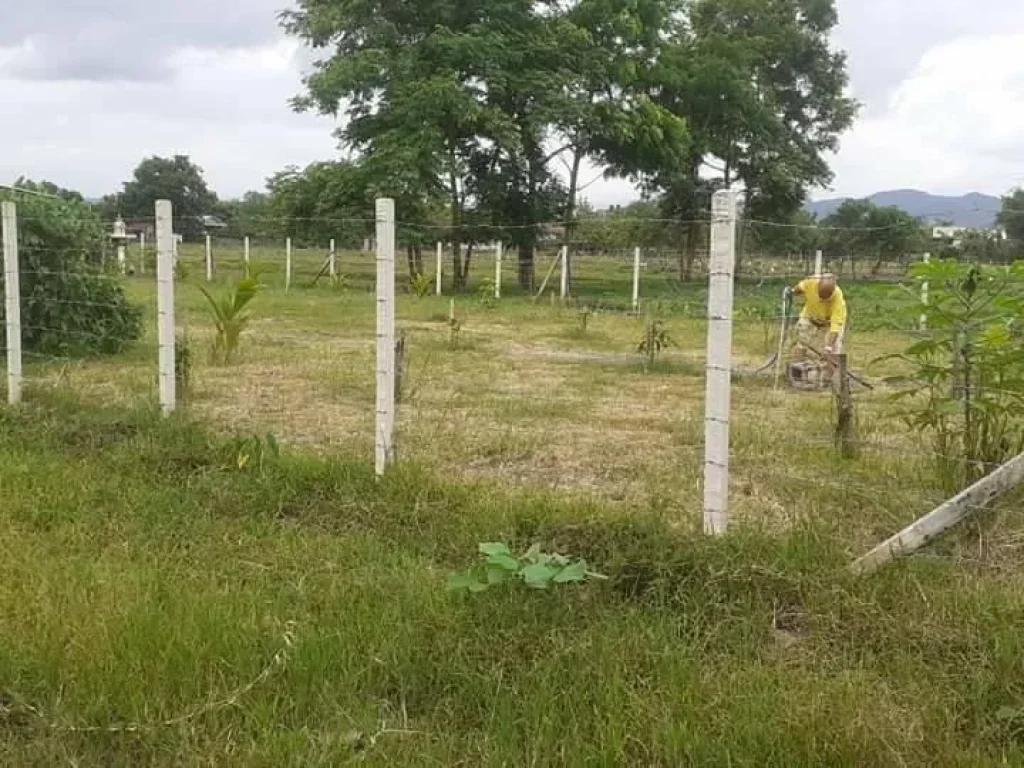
943	517
718	377
384	421
12	302
165	305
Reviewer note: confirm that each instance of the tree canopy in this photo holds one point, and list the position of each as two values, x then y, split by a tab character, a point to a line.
1011	217
177	179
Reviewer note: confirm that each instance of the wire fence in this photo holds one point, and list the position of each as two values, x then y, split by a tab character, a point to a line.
565	365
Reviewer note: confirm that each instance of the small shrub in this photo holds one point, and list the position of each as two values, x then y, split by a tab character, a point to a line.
485	294
583	320
655	340
69	307
965	380
229	316
534	568
421	285
339	282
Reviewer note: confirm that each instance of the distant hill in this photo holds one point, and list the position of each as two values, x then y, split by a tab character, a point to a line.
974	210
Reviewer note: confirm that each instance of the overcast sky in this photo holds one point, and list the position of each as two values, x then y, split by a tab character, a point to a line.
90	87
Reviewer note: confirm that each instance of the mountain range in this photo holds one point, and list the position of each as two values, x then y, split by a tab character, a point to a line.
974	210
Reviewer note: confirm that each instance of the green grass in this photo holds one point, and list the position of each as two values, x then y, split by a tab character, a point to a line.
146	579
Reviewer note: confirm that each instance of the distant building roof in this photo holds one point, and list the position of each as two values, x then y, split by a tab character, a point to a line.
213	222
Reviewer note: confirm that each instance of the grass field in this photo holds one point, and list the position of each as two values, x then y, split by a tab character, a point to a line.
163	606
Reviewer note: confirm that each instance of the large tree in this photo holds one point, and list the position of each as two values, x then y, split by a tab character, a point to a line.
1011	217
177	179
763	95
477	100
861	228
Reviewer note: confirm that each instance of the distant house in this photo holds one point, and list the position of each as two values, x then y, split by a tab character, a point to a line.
955	235
138	227
212	222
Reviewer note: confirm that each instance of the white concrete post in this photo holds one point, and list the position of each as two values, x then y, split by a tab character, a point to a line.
718	376
366	244
122	257
497	270
440	262
165	305
924	297
636	279
332	266
245	250
817	262
209	259
287	263
142	253
12	302
384	420
565	271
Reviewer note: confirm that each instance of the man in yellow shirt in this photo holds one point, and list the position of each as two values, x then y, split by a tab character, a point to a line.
824	310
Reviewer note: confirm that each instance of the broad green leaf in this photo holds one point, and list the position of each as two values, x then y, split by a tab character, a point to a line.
538	575
572	573
504	561
494	548
459	582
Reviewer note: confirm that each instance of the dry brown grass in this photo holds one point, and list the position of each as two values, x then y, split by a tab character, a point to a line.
528	400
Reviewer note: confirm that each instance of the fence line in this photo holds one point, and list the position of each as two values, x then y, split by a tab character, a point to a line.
630	279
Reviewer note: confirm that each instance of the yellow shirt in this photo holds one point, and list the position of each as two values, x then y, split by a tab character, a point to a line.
831	312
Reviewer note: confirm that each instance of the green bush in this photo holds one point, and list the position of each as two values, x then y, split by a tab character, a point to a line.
69	308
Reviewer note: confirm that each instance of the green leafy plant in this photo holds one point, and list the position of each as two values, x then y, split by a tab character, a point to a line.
655	340
534	568
964	379
230	317
69	307
583	320
421	285
485	294
339	282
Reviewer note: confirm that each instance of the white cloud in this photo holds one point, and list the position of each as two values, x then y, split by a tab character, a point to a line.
228	110
956	124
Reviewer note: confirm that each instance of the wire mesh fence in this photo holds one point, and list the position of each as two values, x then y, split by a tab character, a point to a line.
593	384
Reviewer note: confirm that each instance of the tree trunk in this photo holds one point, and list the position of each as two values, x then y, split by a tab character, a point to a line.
526	262
466	263
456	221
410	256
570	211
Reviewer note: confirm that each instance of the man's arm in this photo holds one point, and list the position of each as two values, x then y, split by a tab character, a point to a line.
799	289
837	321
